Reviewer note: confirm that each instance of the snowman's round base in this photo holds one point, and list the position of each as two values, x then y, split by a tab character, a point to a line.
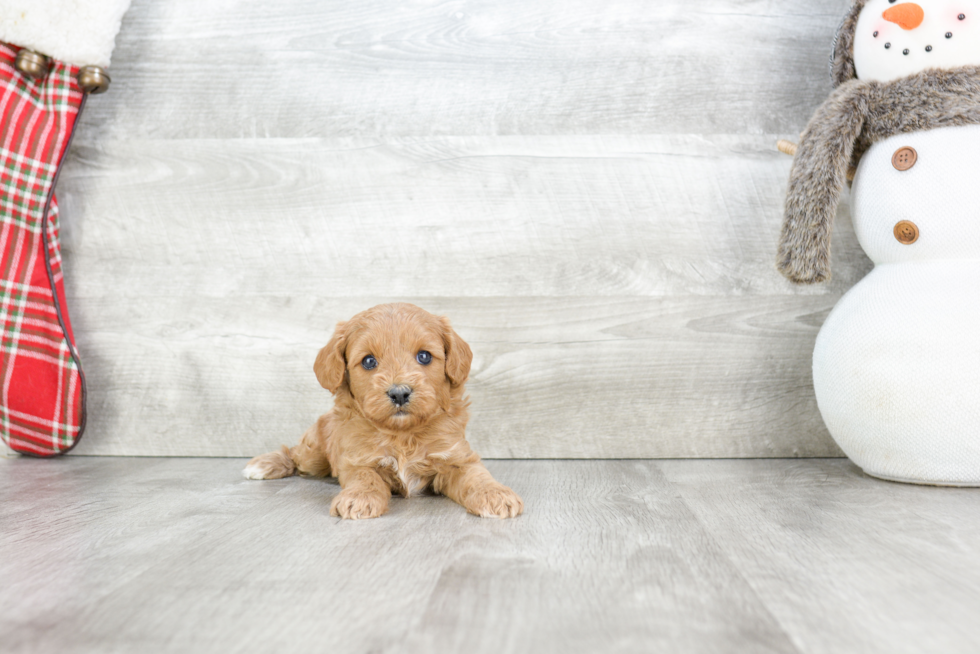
924	482
896	373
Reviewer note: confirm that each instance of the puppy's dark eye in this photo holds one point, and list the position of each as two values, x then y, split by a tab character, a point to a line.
369	362
423	357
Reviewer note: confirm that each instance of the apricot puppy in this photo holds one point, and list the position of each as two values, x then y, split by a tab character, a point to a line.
398	421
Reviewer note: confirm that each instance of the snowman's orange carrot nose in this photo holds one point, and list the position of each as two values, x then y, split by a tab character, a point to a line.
907	15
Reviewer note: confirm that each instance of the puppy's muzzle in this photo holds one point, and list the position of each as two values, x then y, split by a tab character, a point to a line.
399	395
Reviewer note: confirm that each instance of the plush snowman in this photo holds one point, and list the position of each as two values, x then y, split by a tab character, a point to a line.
896	367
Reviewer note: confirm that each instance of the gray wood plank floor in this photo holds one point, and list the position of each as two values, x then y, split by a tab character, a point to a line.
589	189
183	555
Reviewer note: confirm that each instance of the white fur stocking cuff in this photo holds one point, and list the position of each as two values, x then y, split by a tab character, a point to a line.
79	32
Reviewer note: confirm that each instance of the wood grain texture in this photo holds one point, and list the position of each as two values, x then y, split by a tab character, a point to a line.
300	68
168	555
541	216
591	191
844	562
613	313
551	378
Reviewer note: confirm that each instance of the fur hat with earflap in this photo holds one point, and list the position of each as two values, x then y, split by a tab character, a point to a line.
897	67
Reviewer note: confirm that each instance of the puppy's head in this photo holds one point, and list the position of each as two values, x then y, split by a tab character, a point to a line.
399	364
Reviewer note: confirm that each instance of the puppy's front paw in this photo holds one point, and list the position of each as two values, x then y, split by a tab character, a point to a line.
495	502
354	505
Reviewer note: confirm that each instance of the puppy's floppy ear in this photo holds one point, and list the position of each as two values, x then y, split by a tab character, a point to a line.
331	363
459	356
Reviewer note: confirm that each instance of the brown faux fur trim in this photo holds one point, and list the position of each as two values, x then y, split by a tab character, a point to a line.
842	59
855	116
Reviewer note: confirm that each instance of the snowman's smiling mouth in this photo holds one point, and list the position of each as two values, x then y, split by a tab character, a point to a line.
906	51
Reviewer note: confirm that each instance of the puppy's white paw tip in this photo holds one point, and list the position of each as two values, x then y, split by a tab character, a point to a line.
253	472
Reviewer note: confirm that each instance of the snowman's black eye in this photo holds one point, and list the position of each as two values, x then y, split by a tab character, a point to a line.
928	48
888	45
962	16
905	51
949	35
875	35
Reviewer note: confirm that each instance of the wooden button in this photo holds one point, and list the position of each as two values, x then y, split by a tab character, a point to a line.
904	158
906	232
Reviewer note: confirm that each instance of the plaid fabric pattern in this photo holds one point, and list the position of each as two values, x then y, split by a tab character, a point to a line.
42	392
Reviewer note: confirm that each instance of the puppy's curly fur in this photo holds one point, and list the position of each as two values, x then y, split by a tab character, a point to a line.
375	443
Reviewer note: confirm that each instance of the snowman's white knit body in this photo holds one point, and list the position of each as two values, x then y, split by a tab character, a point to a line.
896	366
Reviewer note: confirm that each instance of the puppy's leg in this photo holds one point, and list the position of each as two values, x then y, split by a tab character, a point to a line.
365	494
309	458
274	465
472	486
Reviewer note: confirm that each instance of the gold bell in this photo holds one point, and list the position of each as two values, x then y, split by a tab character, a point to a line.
93	79
32	64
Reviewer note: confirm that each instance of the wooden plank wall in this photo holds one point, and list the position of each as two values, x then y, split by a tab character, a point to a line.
588	189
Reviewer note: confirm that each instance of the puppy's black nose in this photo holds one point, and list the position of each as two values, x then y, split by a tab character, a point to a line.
399	394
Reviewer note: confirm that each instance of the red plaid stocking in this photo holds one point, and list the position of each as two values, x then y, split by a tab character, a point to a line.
42	398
